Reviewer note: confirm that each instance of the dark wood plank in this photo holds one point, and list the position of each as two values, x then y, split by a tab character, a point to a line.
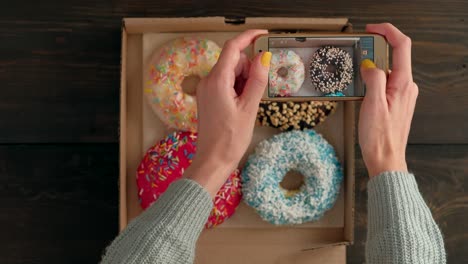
59	60
441	174
62	84
59	69
59	203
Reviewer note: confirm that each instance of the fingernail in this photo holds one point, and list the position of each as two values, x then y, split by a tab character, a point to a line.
368	64
266	58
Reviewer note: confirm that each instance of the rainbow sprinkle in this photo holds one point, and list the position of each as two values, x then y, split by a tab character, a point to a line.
166	161
291	83
169	66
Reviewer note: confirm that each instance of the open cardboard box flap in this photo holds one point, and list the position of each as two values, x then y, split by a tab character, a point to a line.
221	24
244	238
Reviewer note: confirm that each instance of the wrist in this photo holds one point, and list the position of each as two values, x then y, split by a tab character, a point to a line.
210	173
375	169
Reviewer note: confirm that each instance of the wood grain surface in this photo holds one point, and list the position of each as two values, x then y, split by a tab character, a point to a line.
59	60
61	206
58	203
59	97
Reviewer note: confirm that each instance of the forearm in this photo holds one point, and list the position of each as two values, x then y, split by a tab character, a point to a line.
167	231
401	228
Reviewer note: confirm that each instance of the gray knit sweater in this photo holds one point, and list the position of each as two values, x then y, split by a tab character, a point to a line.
401	228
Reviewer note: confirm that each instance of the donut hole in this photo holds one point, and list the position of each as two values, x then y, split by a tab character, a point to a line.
282	72
189	84
292	182
331	68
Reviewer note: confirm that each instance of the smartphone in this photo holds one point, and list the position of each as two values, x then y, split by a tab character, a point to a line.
319	66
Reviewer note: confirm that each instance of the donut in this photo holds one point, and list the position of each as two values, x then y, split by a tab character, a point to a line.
177	59
166	161
306	152
294	115
286	73
337	94
331	69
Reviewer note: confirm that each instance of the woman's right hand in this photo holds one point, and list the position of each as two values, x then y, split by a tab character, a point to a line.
388	107
226	115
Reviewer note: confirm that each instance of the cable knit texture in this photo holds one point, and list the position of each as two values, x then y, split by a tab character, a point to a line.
401	228
167	231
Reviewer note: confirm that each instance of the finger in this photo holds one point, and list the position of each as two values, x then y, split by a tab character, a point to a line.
242	66
230	55
400	43
375	80
257	81
239	85
242	73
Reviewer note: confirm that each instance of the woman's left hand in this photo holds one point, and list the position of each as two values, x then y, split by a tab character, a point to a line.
228	100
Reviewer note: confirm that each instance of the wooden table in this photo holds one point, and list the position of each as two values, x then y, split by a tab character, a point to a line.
59	110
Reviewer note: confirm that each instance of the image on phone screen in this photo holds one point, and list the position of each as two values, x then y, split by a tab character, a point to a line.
318	66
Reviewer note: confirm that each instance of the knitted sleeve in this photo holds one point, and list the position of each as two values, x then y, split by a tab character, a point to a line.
401	228
167	231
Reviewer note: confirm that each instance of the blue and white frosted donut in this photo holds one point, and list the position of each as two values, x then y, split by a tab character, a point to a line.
306	152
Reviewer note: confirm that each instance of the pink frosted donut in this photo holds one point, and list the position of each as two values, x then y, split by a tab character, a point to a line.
177	59
286	73
166	162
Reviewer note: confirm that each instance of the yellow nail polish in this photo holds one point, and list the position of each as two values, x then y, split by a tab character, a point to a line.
266	58
368	64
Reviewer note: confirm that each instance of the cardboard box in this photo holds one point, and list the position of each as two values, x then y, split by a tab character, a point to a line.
244	238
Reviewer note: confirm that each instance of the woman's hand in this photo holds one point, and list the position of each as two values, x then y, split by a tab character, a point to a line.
228	100
388	106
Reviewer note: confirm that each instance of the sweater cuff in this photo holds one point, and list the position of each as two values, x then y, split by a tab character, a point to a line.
392	199
185	207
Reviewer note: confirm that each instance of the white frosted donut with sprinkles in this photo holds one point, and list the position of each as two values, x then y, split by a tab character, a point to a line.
286	73
306	152
169	66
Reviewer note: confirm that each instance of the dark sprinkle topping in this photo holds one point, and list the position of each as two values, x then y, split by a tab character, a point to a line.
331	69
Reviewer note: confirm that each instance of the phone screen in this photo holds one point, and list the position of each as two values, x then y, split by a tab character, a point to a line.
318	66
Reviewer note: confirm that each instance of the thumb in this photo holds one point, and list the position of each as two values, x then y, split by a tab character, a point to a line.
257	81
375	80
